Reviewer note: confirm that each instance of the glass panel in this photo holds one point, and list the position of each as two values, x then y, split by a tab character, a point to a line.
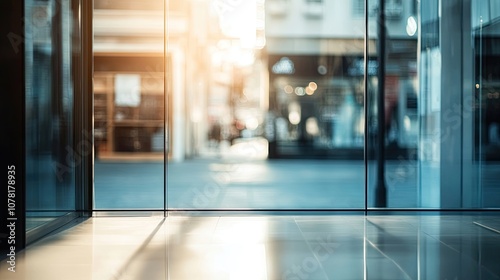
392	59
50	154
440	124
129	104
430	105
266	105
486	33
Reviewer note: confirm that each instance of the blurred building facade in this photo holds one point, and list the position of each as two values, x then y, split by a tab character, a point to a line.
129	94
213	90
210	90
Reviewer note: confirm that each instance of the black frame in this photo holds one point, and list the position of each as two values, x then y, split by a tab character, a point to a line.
13	81
13	102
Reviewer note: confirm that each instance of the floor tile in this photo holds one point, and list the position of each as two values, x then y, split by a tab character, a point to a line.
230	247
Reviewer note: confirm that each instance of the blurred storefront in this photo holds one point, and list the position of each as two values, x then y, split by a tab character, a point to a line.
129	99
215	88
316	70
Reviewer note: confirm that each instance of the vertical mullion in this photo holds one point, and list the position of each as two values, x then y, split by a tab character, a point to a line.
165	108
365	81
87	43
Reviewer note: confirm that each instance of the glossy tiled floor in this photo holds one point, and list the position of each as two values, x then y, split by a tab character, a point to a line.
268	247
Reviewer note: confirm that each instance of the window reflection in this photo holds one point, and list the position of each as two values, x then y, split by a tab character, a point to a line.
486	104
50	154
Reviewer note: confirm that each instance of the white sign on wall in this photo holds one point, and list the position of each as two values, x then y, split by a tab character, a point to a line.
127	90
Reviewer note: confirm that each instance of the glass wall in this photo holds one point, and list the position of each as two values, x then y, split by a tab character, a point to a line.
294	104
57	145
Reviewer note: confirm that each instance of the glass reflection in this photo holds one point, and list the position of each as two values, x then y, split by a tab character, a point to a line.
439	105
254	82
50	154
393	98
332	247
485	32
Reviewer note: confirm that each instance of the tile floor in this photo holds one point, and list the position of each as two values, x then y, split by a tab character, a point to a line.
288	247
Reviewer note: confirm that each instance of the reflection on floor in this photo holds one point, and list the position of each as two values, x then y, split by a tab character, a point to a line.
268	247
